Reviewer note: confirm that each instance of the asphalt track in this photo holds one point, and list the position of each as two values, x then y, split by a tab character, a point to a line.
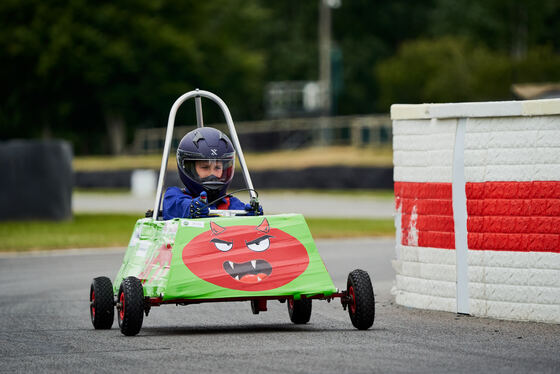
308	204
45	327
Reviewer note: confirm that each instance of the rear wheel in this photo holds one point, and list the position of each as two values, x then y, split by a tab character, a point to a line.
258	306
361	301
101	305
130	306
299	310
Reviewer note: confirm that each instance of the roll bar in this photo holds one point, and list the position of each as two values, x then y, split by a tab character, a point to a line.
198	94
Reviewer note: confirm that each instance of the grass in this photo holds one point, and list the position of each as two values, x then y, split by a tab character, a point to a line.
85	230
108	230
287	159
353	227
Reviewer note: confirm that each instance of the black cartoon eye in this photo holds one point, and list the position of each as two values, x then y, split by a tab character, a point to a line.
222	245
259	244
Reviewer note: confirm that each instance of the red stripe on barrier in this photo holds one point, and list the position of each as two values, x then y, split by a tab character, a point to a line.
513	190
502	216
426	214
508	224
427	206
445	240
514	216
549	207
514	242
432	222
421	190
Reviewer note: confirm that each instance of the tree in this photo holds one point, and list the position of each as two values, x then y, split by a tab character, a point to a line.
82	71
455	69
508	26
365	31
70	69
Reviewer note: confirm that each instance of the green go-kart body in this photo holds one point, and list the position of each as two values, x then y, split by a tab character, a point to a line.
225	257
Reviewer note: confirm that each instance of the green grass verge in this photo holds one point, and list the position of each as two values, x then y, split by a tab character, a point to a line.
107	230
85	230
284	159
350	227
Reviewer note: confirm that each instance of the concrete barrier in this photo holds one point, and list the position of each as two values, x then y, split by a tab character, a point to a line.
477	200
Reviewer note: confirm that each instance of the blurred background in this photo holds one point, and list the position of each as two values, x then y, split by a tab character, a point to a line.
309	83
96	74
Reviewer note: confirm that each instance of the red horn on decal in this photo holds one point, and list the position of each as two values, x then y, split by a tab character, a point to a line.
216	229
264	226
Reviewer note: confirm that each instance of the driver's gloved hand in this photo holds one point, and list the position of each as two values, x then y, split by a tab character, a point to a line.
198	208
251	211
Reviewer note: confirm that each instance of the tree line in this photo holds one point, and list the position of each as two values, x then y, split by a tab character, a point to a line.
94	72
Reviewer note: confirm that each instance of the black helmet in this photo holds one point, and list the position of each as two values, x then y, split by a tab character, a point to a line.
206	161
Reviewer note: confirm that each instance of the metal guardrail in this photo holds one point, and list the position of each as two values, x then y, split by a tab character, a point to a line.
289	133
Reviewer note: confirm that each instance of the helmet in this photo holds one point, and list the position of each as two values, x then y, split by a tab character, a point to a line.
206	160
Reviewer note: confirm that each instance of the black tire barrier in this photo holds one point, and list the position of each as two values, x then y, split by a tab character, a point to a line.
37	180
102	179
331	177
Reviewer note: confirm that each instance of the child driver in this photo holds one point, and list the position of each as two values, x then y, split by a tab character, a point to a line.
205	161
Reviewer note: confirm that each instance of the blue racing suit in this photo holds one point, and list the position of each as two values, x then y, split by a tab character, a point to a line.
176	203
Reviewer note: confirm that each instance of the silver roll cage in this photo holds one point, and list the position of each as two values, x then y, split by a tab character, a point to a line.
198	94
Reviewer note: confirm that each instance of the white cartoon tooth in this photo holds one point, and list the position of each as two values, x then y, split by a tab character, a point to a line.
254	263
237	277
230	264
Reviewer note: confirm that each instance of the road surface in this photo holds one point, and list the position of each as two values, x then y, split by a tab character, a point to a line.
45	327
308	204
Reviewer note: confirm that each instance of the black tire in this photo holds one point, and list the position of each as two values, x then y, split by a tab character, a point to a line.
361	307
130	306
299	310
101	304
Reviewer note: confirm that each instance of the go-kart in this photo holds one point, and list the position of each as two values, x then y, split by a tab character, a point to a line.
229	256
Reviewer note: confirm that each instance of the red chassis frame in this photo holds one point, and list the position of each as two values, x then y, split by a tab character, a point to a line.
345	299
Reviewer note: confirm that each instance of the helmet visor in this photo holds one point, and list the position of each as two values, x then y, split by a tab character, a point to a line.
208	171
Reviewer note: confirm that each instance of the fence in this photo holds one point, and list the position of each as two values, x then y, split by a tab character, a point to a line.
292	133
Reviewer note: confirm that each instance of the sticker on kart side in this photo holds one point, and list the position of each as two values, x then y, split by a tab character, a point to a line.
248	258
186	223
227	257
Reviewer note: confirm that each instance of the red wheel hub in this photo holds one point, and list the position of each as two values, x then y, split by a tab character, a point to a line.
352	299
93	304
121	312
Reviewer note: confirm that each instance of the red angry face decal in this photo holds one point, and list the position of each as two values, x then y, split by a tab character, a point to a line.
246	258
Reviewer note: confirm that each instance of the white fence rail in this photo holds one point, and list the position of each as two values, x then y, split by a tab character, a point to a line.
292	133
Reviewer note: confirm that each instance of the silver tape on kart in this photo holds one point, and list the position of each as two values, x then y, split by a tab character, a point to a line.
169	136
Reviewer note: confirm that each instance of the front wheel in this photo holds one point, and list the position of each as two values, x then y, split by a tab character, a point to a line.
361	301
130	306
299	310
101	305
